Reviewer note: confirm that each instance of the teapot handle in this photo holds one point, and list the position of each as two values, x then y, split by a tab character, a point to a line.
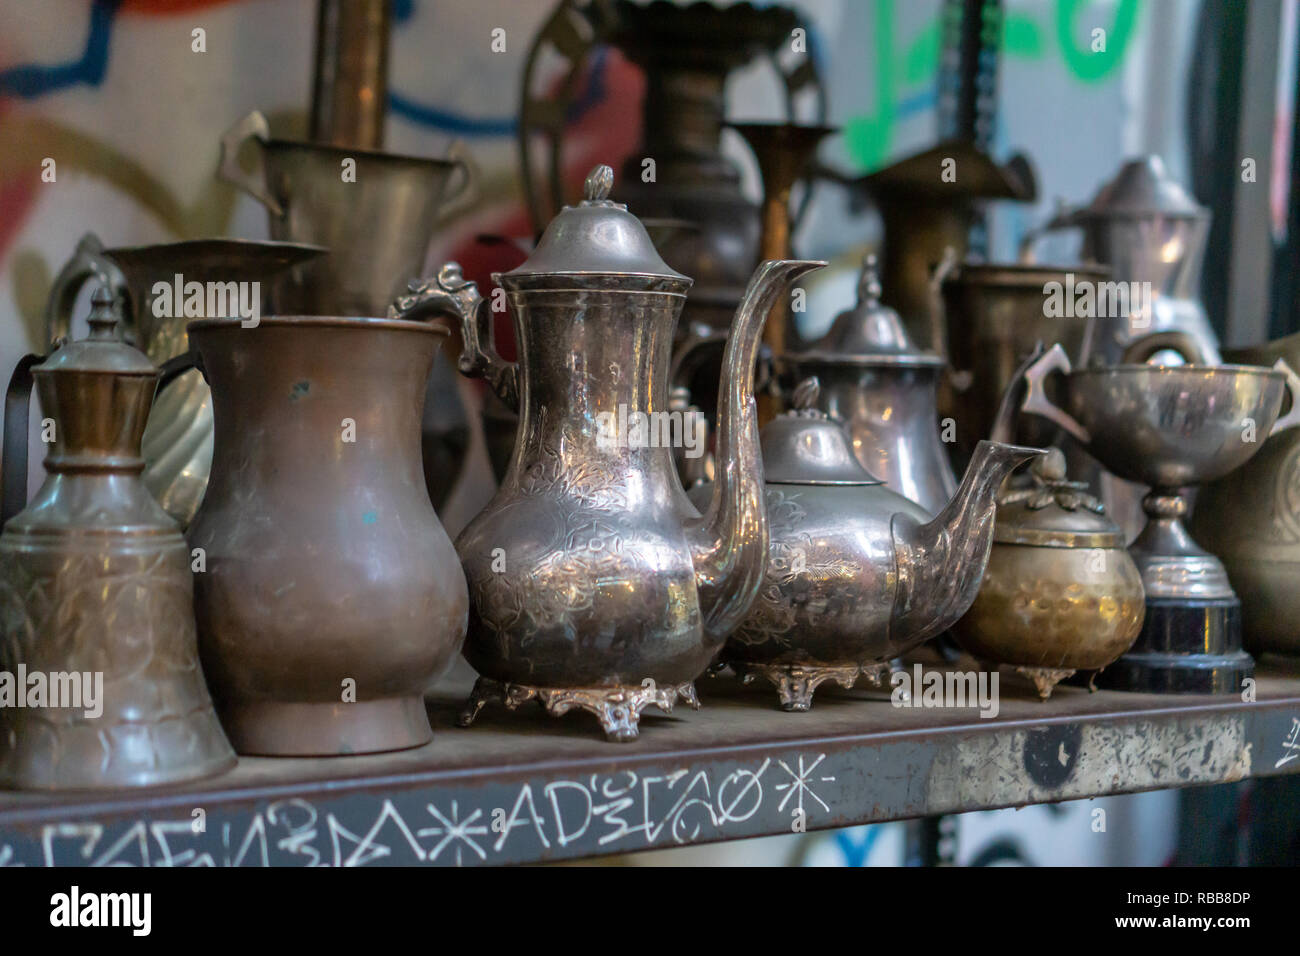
1292	418
18	401
450	292
454	203
88	262
255	127
1036	401
1063	218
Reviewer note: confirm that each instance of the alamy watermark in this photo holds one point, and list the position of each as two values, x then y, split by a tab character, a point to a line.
70	689
1086	299
666	429
936	688
179	299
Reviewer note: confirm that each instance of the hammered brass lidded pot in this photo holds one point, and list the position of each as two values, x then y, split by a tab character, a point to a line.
856	574
1172	427
332	596
1060	593
884	389
95	587
594	583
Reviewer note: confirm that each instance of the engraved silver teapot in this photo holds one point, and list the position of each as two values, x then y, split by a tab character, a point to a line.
856	573
594	583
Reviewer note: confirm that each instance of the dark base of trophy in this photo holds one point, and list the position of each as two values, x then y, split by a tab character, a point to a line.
1187	646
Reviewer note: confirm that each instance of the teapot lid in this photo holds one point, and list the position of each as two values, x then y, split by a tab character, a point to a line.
102	350
596	237
1055	512
1143	187
871	332
805	447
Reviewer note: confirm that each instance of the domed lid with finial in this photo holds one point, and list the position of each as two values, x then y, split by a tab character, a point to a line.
870	332
804	446
597	237
102	350
1054	512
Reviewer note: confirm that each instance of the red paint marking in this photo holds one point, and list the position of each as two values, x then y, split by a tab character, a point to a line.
163	8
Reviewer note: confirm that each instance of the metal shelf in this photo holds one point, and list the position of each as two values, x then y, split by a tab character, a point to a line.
526	787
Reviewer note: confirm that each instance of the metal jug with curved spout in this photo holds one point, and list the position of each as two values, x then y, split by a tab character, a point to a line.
593	581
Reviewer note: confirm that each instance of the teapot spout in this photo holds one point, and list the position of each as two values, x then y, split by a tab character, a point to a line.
941	563
729	542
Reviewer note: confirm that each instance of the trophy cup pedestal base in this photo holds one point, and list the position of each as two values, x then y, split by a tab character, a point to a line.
1187	646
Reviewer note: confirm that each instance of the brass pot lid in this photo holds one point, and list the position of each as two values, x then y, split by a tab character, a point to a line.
805	447
102	350
1142	188
870	333
597	237
1055	512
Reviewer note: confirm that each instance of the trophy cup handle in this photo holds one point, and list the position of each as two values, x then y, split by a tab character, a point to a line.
87	263
454	203
1292	418
450	292
254	127
1036	401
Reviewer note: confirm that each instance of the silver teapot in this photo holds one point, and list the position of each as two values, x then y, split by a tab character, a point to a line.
856	573
594	583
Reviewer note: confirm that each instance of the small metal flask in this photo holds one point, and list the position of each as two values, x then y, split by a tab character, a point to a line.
100	682
1060	593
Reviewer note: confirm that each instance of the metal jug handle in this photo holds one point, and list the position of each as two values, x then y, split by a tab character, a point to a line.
454	203
1171	340
178	365
450	292
948	267
255	127
88	262
1064	218
1292	418
1008	416
1036	401
18	401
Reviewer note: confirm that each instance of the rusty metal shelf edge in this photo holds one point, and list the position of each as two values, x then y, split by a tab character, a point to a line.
625	802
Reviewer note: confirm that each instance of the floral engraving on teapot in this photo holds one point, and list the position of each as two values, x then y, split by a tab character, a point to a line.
791	557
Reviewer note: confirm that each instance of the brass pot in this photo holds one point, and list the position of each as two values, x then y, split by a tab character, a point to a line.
332	596
95	587
1060	593
1251	520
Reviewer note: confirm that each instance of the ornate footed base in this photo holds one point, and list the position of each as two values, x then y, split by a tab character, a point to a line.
1046	678
796	683
617	708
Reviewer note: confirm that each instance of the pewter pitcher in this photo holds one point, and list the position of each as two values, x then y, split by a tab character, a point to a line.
594	583
96	582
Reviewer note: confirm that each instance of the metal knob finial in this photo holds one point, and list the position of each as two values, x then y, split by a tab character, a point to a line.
869	288
599	183
104	315
806	394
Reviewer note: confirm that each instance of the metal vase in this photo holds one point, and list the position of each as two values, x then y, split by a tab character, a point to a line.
332	596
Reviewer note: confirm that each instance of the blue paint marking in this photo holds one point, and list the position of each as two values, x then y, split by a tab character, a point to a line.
856	851
30	81
451	122
370	517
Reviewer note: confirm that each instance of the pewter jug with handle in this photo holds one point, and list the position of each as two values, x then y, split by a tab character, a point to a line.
594	583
